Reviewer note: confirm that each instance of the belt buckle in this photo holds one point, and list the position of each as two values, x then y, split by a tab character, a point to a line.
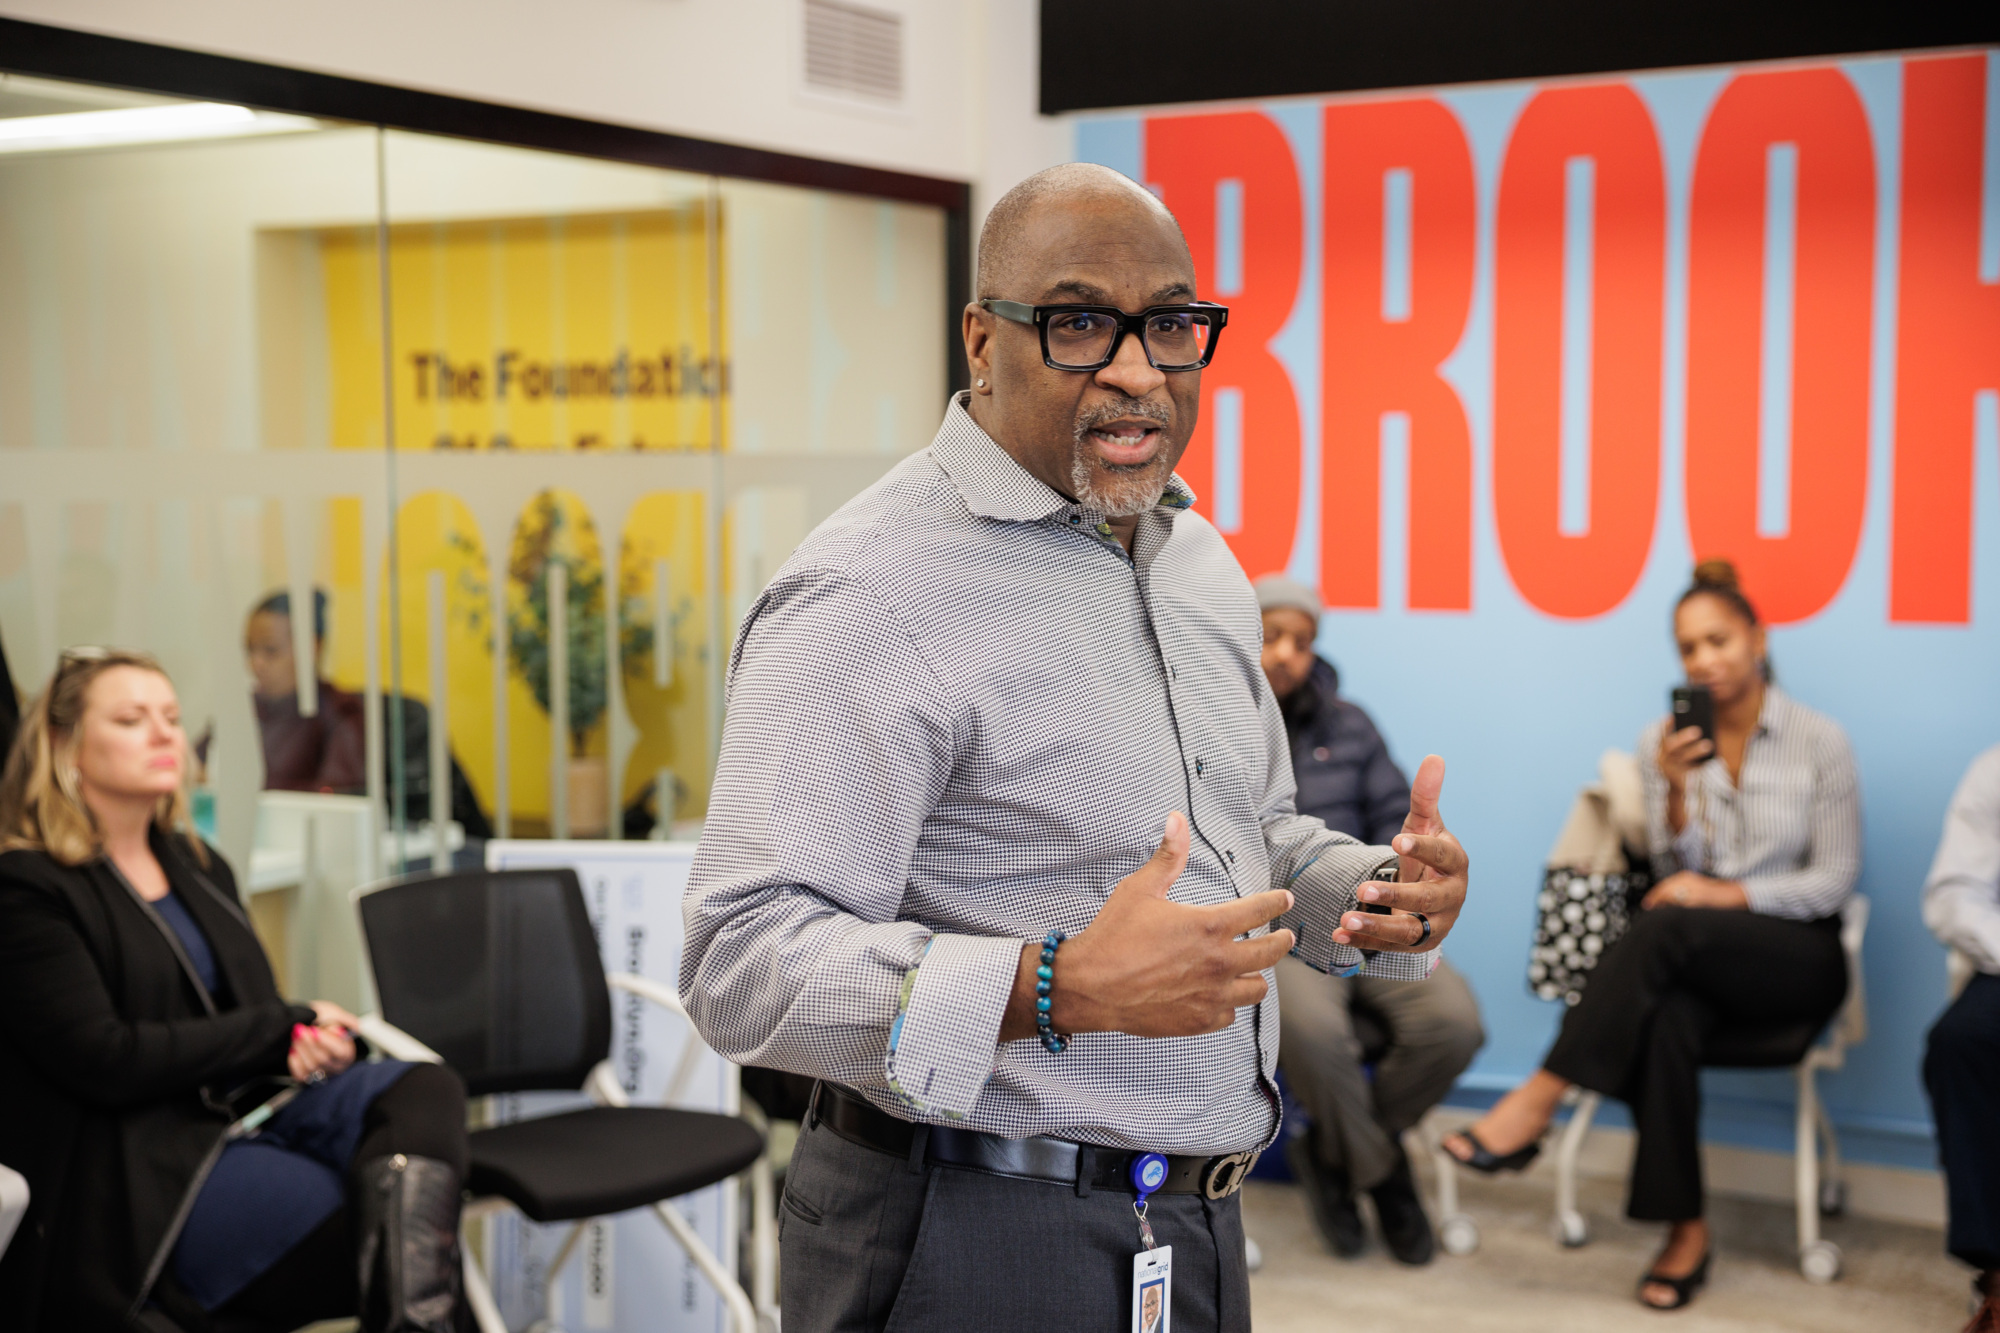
1224	1175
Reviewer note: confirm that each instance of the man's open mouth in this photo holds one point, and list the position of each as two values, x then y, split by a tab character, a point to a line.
1126	443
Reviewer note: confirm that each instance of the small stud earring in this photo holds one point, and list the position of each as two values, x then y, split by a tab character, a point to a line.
980	383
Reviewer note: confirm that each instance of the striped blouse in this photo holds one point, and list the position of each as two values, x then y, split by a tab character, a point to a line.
1789	833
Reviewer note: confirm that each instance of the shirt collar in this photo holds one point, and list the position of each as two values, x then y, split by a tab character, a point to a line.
995	486
1774	712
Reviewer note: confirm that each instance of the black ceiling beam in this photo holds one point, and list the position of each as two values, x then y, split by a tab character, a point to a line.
63	53
1118	53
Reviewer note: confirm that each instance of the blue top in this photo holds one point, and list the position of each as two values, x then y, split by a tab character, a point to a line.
175	913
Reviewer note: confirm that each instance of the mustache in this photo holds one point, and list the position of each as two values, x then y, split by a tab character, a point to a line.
1103	414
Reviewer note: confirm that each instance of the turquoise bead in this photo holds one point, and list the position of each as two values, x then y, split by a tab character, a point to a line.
1045	972
1042	1004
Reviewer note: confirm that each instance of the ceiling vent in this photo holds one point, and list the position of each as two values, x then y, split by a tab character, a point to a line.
854	51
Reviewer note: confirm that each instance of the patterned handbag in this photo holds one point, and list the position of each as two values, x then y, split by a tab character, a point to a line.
1581	913
1592	885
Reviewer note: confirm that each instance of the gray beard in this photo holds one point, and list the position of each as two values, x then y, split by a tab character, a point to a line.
1118	492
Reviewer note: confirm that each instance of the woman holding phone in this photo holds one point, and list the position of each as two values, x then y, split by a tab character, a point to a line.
202	1154
1756	839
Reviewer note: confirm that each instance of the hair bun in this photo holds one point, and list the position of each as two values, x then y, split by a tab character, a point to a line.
1716	574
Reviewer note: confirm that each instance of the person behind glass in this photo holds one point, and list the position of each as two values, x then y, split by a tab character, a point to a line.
327	752
1761	831
1354	1142
139	1019
1962	1057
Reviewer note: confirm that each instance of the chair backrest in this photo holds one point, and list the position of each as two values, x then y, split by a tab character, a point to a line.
496	971
1850	1025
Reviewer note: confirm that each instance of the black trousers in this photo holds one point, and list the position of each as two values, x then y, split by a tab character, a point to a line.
1962	1074
1657	999
421	1115
869	1243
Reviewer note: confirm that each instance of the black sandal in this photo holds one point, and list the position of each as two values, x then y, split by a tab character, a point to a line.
1683	1288
1484	1159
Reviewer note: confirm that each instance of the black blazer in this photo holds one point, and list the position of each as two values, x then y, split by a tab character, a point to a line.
117	1073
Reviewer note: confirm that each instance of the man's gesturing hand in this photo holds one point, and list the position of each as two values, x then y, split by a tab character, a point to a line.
1156	968
1431	879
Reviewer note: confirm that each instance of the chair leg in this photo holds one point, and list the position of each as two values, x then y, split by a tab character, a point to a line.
1833	1181
1819	1259
549	1292
1571	1228
1457	1232
1805	1159
478	1294
741	1313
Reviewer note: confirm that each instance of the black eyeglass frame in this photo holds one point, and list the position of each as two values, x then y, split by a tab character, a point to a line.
1040	315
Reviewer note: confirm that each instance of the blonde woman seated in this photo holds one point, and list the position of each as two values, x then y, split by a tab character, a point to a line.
1764	827
139	1022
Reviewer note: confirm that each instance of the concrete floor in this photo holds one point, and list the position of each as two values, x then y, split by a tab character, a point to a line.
1897	1276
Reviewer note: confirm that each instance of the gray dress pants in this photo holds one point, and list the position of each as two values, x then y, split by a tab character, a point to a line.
869	1243
1434	1032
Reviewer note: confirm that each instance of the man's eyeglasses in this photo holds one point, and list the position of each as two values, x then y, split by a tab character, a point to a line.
1087	337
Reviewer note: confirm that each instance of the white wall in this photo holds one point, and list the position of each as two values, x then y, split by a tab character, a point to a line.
715	69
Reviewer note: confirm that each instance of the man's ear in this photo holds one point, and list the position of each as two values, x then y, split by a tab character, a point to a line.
978	330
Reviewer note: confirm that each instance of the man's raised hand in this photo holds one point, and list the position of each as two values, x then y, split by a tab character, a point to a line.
1431	880
1155	968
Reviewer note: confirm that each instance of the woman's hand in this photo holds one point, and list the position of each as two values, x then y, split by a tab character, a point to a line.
1681	753
325	1049
1686	889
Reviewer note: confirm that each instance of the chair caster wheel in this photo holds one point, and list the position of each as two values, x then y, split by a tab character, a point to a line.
1253	1254
1832	1198
1459	1235
1572	1230
1820	1261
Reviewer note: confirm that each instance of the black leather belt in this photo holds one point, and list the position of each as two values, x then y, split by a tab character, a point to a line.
1057	1161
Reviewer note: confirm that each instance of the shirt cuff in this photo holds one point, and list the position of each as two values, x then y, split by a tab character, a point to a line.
1322	889
945	1038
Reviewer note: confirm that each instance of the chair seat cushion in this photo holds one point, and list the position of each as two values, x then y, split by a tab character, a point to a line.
1757	1047
607	1159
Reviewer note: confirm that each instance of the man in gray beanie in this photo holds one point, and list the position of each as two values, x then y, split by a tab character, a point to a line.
1354	1143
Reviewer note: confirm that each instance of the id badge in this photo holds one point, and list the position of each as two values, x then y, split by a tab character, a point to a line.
1153	1290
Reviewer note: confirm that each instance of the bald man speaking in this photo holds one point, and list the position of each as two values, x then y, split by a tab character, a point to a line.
1002	846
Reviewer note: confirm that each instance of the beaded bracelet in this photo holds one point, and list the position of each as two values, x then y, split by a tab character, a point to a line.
1045	977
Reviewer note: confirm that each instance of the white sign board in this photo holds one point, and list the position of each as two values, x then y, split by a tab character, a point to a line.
626	1273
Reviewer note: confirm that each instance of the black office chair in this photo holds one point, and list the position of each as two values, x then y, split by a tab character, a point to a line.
496	974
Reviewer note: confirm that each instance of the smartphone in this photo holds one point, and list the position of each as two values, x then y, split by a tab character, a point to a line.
1694	706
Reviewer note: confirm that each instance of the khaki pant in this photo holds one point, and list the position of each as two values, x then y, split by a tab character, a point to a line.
1433	1029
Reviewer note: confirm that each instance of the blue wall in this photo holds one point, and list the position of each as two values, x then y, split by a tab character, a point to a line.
1521	704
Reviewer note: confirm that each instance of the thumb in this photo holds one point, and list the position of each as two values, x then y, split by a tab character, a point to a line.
1426	789
1164	866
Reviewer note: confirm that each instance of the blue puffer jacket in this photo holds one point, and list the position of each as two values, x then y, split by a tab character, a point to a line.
1344	771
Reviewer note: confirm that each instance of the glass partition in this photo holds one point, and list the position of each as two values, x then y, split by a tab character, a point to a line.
437	473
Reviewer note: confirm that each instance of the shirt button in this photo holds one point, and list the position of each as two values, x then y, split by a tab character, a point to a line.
1231	856
1199	768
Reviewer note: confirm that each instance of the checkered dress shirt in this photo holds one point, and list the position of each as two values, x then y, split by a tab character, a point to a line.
958	716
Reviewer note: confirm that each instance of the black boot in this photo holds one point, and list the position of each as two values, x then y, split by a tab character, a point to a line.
1329	1196
1401	1213
412	1278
